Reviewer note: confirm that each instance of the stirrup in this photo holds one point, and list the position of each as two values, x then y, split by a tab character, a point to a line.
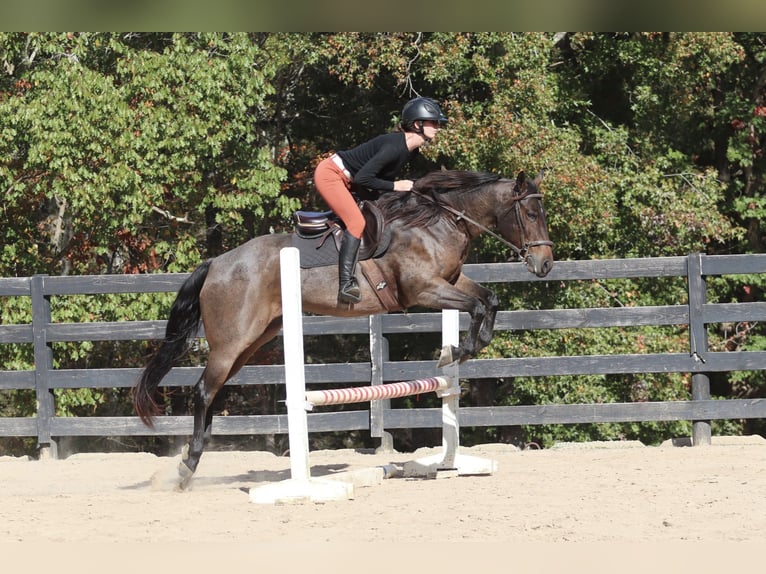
350	292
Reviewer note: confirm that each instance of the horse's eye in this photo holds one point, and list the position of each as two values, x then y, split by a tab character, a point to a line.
532	215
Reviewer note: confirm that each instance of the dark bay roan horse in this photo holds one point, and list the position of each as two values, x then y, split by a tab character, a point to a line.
237	294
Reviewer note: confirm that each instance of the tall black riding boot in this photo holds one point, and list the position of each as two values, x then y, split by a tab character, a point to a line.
348	288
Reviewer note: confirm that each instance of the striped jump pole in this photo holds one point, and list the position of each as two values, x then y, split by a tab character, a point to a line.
377	392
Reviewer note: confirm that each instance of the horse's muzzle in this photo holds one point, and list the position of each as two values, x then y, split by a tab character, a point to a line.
538	261
539	258
540	266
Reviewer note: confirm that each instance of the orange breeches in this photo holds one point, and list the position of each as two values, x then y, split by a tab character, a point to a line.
335	188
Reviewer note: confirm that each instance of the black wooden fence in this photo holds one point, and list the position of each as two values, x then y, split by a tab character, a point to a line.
698	360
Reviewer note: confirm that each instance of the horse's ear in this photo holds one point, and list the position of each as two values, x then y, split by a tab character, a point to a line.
521	181
539	177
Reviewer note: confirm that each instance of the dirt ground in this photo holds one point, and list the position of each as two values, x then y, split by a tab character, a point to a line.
623	493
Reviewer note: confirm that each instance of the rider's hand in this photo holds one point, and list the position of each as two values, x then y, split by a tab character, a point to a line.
403	185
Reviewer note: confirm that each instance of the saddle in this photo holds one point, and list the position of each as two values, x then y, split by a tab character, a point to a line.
318	235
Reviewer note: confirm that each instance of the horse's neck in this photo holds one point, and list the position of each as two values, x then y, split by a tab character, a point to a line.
479	205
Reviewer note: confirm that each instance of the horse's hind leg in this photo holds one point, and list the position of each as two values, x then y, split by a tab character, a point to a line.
213	378
220	368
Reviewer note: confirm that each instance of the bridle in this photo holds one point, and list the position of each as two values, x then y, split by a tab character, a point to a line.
521	252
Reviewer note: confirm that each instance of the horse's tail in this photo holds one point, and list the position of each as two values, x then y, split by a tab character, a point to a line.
183	322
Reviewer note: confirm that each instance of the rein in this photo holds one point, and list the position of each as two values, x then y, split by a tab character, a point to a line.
520	252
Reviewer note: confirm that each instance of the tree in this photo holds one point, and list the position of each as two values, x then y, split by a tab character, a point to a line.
632	129
129	153
135	148
150	152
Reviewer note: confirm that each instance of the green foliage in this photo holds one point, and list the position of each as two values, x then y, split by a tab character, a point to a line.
143	152
132	146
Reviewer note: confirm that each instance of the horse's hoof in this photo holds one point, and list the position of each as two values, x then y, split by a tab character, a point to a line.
449	354
185	475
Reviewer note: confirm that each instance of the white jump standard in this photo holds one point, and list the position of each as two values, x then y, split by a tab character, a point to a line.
301	487
450	462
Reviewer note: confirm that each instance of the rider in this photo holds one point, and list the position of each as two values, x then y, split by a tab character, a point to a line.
372	165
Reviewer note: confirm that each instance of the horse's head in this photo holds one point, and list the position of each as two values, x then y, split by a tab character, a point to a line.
521	221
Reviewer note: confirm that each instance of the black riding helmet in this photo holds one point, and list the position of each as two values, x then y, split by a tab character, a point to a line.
421	109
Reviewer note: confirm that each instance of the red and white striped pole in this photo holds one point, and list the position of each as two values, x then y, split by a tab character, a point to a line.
377	392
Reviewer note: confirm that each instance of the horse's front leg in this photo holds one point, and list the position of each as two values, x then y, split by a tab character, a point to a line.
467	349
444	295
485	329
482	325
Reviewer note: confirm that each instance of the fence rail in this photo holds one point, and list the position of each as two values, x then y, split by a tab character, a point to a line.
698	360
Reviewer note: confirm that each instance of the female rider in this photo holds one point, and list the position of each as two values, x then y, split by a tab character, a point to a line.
373	165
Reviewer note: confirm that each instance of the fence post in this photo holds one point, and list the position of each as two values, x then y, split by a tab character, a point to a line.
43	354
698	343
378	355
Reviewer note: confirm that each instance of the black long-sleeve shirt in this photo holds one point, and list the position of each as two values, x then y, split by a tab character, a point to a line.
376	163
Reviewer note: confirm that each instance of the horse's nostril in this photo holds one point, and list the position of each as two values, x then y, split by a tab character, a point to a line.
544	268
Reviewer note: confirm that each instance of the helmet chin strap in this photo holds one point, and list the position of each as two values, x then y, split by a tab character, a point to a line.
421	132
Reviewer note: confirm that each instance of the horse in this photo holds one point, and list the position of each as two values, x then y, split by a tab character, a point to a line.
237	295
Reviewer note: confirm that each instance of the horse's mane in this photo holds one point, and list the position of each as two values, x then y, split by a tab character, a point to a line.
444	181
415	210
